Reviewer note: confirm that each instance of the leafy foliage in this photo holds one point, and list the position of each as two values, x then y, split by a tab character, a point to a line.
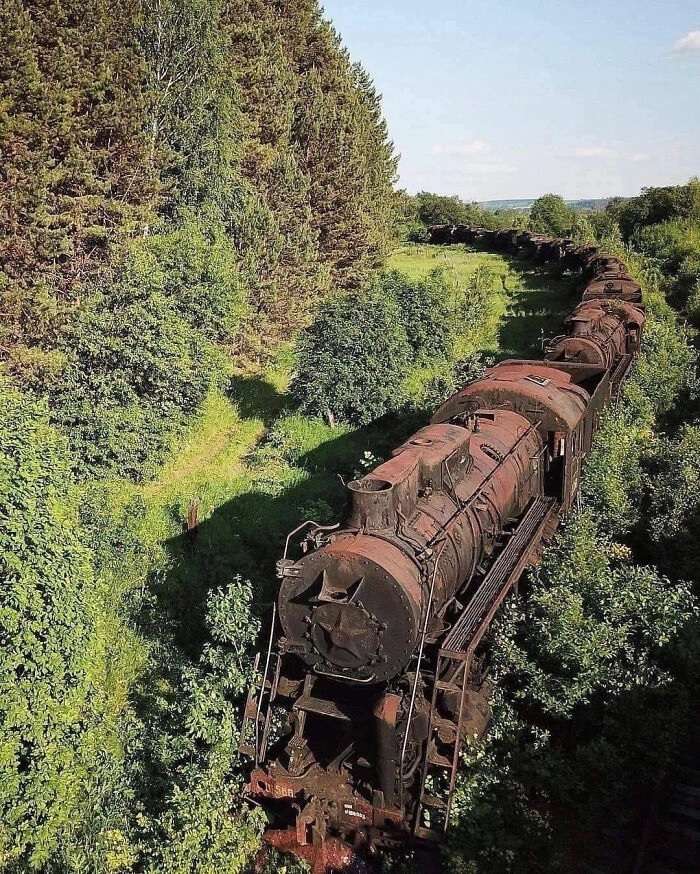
58	705
139	351
351	360
202	826
424	308
549	214
436	209
673	481
655	206
593	624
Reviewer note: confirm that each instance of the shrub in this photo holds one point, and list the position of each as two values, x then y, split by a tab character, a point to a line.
353	358
195	266
592	625
198	829
694	304
674	514
140	352
425	312
57	717
475	296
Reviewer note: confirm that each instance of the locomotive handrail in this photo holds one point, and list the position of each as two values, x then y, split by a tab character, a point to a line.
414	690
262	685
301	528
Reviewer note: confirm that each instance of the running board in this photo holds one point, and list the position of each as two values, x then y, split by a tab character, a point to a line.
504	573
455	662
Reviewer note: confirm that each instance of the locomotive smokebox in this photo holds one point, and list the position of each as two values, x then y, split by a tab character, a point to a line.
336	609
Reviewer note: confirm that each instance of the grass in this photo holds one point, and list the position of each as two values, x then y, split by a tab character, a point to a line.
256	468
417	260
525	307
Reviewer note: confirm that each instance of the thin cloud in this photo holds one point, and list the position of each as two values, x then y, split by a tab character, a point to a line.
471	147
688	43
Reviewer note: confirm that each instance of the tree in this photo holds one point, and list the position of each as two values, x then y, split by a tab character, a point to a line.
656	205
549	214
352	359
437	209
426	315
76	172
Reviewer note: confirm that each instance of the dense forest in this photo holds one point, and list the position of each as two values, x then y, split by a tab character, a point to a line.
197	203
181	182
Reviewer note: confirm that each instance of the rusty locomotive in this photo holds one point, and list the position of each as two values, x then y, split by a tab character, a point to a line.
374	674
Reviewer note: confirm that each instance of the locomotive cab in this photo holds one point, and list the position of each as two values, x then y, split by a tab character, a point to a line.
558	400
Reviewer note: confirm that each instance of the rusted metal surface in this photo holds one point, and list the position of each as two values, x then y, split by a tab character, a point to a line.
456	483
331	854
599	331
540	394
374	675
614	287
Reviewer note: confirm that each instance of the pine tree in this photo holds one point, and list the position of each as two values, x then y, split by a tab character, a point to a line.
289	270
75	177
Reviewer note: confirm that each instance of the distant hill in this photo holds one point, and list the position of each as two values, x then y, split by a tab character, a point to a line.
525	204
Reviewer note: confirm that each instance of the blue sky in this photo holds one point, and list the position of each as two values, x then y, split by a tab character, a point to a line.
512	99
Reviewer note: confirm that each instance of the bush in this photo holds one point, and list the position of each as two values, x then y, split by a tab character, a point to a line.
593	624
204	825
425	312
673	523
195	266
694	304
140	351
58	666
352	359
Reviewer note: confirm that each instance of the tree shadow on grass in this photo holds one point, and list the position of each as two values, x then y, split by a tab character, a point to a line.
257	398
246	534
536	310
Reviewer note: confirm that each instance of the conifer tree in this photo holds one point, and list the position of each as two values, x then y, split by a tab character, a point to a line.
289	270
74	170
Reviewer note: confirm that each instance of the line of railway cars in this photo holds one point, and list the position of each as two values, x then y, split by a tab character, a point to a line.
374	672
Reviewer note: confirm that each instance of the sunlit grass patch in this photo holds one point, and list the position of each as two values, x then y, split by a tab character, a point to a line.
416	260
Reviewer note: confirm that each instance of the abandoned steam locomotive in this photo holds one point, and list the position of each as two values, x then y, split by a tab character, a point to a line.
373	675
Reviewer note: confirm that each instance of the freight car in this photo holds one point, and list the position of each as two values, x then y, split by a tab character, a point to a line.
373	674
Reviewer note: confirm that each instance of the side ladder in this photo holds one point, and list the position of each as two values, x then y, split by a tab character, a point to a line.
257	713
454	666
